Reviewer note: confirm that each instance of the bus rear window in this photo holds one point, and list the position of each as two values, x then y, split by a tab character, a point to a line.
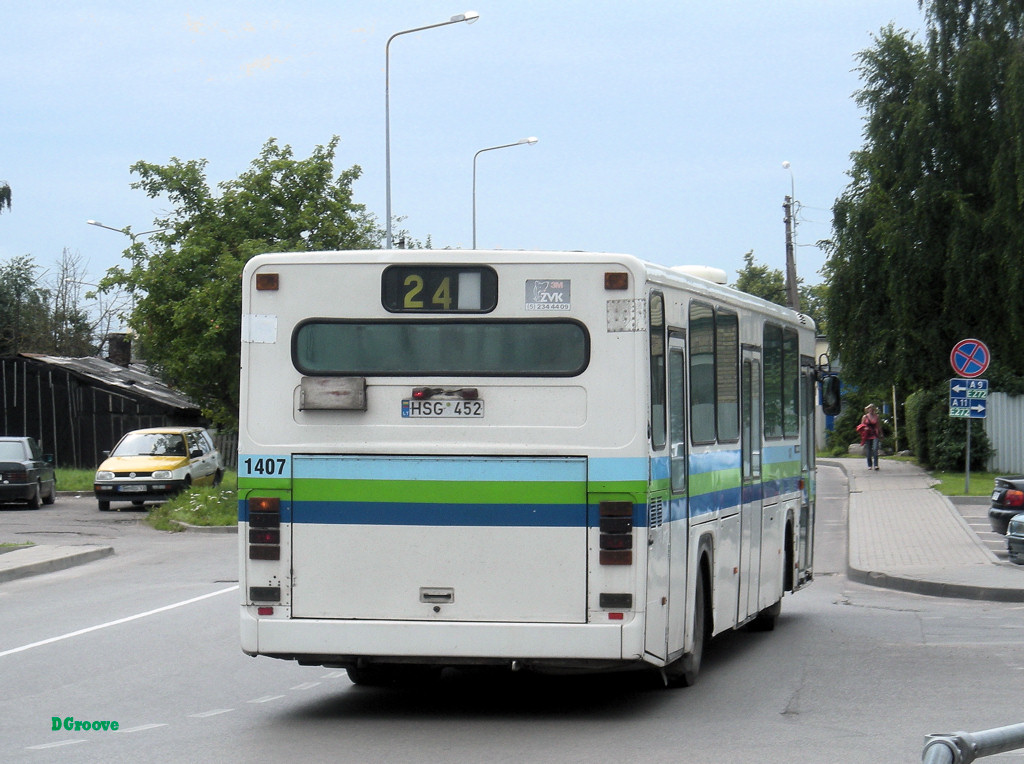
527	348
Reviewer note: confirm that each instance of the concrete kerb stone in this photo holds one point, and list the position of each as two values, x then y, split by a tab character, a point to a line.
206	528
47	558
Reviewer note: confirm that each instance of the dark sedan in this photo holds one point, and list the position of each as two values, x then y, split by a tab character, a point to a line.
1007	501
1015	539
25	475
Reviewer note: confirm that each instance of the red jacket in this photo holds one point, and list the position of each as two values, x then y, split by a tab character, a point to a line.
870	428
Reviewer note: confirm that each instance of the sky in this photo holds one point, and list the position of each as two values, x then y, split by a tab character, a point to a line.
662	126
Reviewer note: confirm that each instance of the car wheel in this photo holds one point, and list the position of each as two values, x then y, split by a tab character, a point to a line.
37	498
104	505
138	503
51	495
218	476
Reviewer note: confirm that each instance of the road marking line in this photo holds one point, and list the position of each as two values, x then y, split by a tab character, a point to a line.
54	745
265	699
143	727
214	712
305	686
119	621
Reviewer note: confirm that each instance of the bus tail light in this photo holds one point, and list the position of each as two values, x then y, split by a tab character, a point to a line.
264	528
616	518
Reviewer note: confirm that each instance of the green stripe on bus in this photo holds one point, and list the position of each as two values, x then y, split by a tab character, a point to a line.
440	492
711	482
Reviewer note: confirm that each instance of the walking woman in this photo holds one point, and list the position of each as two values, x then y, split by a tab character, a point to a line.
871	430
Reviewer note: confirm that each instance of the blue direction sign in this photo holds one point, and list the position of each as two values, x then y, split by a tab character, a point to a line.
970	358
968	398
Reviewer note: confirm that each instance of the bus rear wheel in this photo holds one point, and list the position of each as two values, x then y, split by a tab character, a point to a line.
683	672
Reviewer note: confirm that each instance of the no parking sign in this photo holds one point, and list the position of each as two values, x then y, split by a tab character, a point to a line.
970	358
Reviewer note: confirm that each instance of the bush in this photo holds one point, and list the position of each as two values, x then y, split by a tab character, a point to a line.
938	440
914	423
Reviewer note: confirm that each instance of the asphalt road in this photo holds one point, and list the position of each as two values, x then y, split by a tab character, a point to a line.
975	512
148	638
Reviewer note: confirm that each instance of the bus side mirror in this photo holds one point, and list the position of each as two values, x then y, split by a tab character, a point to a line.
830	402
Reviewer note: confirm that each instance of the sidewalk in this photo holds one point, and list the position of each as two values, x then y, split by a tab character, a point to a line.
904	535
46	558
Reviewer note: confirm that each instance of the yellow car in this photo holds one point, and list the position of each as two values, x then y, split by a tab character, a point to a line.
157	463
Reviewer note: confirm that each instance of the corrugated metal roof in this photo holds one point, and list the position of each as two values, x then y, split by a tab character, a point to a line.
131	380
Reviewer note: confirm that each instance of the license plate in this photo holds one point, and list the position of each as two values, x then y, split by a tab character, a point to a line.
131	488
416	409
995	495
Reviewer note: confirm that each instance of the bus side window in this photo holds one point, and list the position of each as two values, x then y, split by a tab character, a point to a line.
656	331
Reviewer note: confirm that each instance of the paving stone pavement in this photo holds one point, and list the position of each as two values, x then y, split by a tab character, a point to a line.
905	535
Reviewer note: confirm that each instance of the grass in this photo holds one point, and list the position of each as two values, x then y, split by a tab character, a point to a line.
75	480
200	505
950	483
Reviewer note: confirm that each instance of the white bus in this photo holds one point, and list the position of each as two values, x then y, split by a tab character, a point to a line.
542	460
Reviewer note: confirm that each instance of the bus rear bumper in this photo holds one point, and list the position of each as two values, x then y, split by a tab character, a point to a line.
344	642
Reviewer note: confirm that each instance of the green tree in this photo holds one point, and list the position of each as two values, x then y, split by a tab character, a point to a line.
186	277
770	284
761	281
24	307
928	235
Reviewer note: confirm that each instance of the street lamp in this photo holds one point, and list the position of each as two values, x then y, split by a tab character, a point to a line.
531	140
469	17
126	230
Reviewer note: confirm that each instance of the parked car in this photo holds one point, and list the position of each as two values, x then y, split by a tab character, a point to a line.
1015	539
157	463
1007	501
26	475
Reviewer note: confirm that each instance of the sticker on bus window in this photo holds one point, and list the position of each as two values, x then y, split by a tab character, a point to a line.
547	295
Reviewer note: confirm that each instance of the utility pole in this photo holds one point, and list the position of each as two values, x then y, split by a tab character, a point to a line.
791	290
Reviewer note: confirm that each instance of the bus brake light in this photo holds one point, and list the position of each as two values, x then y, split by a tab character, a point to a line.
616	523
264	528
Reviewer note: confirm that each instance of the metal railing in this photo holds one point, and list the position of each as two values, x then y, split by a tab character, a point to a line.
965	747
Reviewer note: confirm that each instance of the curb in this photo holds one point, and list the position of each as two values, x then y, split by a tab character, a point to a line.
206	528
934	588
35	560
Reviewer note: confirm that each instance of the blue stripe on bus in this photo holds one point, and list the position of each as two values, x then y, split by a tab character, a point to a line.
618	469
453	515
468	469
780	454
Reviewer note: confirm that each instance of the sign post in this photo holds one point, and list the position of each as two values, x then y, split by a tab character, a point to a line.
968	397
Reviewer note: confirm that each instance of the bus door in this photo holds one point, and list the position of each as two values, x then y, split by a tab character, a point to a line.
666	582
751	513
805	531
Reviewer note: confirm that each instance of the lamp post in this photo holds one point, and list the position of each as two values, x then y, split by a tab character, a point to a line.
469	17
126	230
789	206
530	141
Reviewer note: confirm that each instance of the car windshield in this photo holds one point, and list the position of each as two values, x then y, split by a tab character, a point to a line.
12	449
150	444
